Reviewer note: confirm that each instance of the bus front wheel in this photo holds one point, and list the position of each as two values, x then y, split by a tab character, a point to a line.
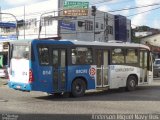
78	87
131	83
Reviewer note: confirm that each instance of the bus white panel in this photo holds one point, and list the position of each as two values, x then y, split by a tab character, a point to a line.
19	70
119	73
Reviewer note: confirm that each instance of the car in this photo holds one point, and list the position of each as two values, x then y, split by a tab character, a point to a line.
156	68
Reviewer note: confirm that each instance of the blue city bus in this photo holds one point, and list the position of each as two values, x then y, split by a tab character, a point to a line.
70	66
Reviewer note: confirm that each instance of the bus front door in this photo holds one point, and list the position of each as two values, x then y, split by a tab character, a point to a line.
59	69
102	68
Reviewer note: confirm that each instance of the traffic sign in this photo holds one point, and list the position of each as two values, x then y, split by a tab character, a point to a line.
75	12
75	5
75	8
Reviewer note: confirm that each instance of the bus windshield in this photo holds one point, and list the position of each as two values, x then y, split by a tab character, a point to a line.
20	52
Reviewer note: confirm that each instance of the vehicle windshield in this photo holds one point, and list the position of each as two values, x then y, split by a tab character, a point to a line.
20	52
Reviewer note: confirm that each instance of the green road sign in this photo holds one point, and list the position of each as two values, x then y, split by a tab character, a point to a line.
75	8
75	5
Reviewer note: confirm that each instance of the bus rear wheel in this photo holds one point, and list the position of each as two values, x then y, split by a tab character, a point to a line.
131	83
78	87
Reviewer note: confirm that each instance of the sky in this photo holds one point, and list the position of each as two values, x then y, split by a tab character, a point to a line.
150	18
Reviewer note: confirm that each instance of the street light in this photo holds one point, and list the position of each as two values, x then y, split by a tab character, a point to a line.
40	23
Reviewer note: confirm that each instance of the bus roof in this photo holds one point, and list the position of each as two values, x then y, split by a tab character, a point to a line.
77	42
118	44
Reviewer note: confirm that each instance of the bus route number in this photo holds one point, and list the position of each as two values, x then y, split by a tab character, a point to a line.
46	72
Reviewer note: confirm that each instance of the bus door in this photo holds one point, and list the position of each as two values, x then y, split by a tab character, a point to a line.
59	69
102	68
143	66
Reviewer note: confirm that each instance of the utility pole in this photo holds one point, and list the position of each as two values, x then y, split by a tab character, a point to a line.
24	26
0	12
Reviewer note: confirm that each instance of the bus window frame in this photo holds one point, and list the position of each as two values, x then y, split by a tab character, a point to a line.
137	54
124	49
150	61
52	47
125	53
80	46
49	54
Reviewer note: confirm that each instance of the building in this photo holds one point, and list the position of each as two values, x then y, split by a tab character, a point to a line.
143	34
142	31
102	27
153	41
122	28
7	27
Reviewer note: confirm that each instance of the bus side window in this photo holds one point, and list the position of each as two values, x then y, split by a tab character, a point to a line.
81	55
118	55
131	56
44	55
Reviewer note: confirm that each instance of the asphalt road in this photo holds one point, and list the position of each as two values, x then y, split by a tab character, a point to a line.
146	99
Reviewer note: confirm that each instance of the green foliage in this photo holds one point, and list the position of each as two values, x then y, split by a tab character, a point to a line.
142	29
135	39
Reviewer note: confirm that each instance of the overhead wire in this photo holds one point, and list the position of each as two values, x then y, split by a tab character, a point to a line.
130	8
109	18
121	10
144	12
138	7
100	2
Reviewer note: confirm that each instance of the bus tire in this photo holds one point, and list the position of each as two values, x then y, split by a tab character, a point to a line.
131	83
78	87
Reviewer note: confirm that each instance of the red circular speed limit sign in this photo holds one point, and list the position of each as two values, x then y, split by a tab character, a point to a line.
92	71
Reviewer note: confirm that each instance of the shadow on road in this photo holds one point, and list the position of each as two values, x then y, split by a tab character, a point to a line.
143	93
